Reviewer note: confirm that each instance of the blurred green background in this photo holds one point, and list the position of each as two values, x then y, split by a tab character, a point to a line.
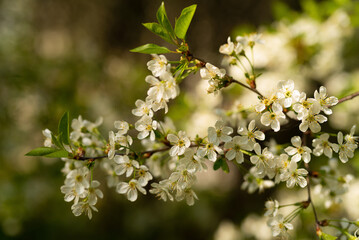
61	55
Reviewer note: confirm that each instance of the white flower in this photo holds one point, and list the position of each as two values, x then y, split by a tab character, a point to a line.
143	175
143	108
182	177
219	133
210	150
125	165
279	226
78	178
253	182
161	90
265	103
71	194
346	150
286	93
78	126
250	40
122	127
227	48
187	194
146	126
325	101
251	134
312	119
48	138
158	65
130	189
294	176
350	137
263	159
161	190
171	87
81	127
322	144
234	149
272	118
271	207
211	72
162	104
282	164
157	90
94	192
193	162
298	152
123	142
303	105
118	140
180	143
85	206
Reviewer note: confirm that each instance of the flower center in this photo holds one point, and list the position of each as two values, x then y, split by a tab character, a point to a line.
132	185
300	150
272	116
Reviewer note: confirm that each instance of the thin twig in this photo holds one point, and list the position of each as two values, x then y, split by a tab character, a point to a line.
346	98
141	154
249	88
306	165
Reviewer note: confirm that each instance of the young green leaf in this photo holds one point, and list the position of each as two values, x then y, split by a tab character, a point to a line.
58	154
47	152
224	166
55	140
151	49
221	163
64	129
325	236
217	164
159	30
163	20
184	20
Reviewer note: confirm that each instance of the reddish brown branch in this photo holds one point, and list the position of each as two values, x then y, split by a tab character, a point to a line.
349	97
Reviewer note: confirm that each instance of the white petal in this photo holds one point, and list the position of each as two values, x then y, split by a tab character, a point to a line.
132	195
122	187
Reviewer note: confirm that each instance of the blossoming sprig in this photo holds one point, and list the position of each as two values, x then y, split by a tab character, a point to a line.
130	170
236	52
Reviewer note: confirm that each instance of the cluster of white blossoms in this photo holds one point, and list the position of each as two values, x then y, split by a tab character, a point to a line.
214	76
296	105
170	161
80	189
277	222
169	164
345	147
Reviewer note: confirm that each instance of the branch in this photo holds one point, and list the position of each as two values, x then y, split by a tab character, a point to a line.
349	97
249	88
306	165
145	154
150	152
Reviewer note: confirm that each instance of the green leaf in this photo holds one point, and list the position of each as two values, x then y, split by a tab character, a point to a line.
58	154
327	237
184	20
64	129
151	48
217	164
55	140
221	163
224	166
163	20
159	30
48	152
